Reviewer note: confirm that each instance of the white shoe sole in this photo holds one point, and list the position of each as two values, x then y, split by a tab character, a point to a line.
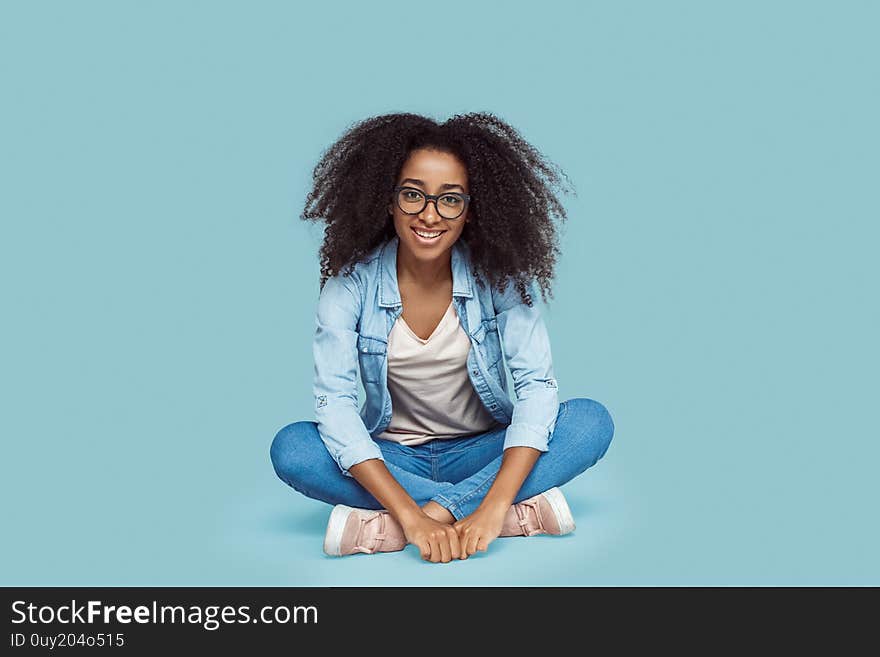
335	527
560	509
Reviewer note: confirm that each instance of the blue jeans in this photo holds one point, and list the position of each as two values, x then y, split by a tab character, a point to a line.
455	473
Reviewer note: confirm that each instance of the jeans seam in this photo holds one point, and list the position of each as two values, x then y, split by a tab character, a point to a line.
450	506
474	491
443	498
486	481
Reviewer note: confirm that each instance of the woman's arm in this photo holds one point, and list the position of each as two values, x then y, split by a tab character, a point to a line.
437	542
335	391
528	356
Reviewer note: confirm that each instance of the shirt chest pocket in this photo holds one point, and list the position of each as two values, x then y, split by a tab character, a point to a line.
372	354
490	342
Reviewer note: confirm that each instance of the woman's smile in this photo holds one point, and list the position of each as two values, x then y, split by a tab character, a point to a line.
427	237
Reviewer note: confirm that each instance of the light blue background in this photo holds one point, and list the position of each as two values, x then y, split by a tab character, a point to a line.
717	290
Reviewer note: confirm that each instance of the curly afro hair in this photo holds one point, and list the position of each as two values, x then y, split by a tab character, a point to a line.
511	234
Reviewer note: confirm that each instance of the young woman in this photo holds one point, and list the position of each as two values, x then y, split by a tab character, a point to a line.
435	235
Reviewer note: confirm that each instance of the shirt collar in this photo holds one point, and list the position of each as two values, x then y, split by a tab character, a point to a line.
389	293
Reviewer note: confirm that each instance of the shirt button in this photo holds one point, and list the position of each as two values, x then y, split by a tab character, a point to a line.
476	372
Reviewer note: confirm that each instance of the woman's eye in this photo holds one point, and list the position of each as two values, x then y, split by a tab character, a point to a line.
412	196
451	200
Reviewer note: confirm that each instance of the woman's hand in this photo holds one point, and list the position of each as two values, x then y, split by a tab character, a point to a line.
438	542
484	525
480	528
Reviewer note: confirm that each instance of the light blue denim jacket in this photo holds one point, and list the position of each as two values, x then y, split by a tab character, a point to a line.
355	315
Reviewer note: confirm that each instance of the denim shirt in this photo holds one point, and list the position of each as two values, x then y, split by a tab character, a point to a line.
355	315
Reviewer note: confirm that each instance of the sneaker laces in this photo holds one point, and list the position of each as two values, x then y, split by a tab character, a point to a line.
379	537
524	520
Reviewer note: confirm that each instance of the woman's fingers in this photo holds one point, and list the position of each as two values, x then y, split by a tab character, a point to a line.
443	540
463	536
472	542
454	545
435	550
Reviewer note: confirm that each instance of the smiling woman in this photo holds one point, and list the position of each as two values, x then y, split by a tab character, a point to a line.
435	236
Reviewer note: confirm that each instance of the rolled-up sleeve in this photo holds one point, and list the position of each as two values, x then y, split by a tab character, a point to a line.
335	381
526	346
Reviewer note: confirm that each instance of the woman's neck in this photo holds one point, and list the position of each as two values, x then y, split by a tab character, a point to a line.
423	273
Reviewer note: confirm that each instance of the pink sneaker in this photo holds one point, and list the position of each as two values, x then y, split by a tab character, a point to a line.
547	513
352	530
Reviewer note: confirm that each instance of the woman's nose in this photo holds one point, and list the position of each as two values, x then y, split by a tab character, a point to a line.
430	211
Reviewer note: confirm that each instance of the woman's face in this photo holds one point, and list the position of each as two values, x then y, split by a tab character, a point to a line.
431	172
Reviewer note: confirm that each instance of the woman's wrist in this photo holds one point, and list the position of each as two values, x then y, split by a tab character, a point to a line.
496	502
408	514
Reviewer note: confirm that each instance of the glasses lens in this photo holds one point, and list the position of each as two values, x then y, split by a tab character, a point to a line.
450	206
410	201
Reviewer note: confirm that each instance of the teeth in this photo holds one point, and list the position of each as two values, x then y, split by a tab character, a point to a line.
418	232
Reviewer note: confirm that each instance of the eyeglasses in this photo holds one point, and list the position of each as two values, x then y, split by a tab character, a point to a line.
450	205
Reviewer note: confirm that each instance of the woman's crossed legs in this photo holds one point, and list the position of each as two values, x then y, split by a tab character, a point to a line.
456	474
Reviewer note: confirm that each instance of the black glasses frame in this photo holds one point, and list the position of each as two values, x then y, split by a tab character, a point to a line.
431	197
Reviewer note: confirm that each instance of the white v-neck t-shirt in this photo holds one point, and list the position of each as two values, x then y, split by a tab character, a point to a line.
431	393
